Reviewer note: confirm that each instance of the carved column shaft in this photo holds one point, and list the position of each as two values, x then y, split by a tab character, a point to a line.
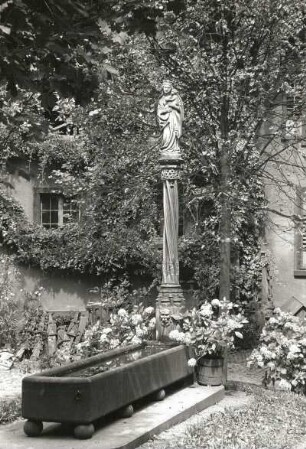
170	298
170	274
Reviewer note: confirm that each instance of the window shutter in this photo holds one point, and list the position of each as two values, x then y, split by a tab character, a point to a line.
300	234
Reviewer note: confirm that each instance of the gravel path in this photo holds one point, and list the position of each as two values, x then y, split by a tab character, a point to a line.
10	383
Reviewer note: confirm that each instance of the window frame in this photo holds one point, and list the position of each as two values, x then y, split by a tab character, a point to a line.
298	126
300	234
37	210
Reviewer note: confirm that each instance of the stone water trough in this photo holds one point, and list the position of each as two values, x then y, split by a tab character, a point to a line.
84	391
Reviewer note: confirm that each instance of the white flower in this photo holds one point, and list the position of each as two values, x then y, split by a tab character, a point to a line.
192	362
232	324
215	303
271	365
206	310
136	319
152	323
266	353
284	385
114	343
174	335
122	313
187	339
136	340
139	332
149	310
294	348
273	321
177	336
107	330
292	355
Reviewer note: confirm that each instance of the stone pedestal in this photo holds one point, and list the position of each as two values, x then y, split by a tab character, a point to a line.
170	299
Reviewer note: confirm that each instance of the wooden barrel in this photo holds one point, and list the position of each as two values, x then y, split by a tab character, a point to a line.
211	371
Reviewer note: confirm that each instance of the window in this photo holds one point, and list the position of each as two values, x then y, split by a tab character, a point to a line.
55	210
295	120
301	234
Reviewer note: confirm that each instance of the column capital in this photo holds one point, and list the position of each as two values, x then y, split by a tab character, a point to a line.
170	167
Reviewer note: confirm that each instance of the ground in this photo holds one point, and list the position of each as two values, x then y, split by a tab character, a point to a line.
239	410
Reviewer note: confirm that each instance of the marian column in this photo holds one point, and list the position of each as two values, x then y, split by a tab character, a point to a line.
170	114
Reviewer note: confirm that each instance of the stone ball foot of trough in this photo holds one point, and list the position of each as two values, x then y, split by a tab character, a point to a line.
84	431
127	411
159	395
33	428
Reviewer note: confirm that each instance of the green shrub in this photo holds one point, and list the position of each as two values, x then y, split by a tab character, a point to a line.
123	328
282	351
10	305
10	410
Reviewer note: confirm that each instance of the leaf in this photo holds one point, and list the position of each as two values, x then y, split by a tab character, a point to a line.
110	69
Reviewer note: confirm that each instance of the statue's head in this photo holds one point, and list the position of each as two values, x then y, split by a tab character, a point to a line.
167	86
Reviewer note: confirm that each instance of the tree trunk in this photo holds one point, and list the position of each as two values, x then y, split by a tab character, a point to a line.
225	172
225	228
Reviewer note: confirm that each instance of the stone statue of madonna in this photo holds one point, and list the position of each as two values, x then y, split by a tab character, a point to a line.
170	115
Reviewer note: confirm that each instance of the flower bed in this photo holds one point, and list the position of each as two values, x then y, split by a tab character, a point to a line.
282	350
210	329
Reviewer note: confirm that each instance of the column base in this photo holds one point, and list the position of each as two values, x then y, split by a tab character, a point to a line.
170	303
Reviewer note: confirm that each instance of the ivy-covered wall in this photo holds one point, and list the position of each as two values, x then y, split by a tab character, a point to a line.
57	291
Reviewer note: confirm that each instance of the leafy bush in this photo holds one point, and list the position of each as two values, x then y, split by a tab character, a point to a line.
282	351
10	409
210	329
124	328
9	304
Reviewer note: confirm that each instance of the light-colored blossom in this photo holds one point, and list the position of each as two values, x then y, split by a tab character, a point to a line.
152	323
271	365
114	342
139	332
149	310
136	319
122	313
294	348
206	310
284	385
192	362
136	340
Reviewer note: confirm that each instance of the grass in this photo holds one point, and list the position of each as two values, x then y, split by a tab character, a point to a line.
10	410
273	420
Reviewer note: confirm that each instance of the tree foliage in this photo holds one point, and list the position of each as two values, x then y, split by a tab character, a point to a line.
233	63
